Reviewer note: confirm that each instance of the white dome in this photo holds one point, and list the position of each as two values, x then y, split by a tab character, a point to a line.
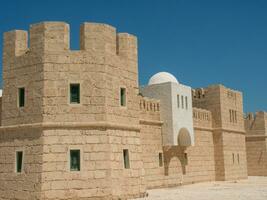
162	77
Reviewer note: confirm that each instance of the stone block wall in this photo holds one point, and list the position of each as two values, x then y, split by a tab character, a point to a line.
199	166
234	153
25	185
256	143
256	156
93	179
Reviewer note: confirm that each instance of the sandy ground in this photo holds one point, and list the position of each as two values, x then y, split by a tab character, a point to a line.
255	188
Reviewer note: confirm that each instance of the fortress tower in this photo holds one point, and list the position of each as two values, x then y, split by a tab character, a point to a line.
71	116
226	106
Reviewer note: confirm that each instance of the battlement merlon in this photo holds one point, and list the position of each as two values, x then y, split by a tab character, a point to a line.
54	37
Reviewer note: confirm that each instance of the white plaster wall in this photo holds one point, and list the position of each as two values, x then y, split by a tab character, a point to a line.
182	117
174	118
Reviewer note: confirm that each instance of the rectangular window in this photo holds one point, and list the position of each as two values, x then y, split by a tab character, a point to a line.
21	94
126	158
75	160
185	159
186	103
75	93
178	100
160	159
235	116
123	97
19	160
230	114
182	101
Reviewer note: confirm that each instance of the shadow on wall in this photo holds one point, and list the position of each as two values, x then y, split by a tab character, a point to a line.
174	152
179	152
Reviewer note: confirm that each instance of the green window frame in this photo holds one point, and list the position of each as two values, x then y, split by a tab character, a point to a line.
126	159
19	161
21	97
123	96
74	93
75	160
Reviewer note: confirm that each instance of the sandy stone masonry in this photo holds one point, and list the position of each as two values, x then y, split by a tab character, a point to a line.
256	143
120	141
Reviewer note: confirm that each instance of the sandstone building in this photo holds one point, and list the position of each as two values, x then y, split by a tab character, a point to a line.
76	124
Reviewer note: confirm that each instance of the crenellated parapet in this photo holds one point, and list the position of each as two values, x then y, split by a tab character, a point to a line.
55	37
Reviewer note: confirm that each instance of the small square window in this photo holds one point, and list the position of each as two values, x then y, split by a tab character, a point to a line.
21	97
75	161
126	159
19	160
123	97
160	159
75	93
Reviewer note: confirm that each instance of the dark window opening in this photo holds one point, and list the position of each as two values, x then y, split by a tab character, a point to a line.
21	97
75	93
19	158
123	97
75	162
160	159
185	159
126	158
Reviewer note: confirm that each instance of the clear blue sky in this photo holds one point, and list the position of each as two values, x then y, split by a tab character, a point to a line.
201	42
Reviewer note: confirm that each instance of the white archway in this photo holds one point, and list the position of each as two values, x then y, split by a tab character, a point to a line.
184	138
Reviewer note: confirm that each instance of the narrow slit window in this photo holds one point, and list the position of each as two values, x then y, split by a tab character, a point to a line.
186	103
160	159
75	93
230	114
233	157
182	101
123	97
126	159
19	161
21	97
238	158
178	100
75	160
185	159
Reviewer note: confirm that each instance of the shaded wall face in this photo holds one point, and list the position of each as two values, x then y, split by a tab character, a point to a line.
256	156
27	184
163	92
